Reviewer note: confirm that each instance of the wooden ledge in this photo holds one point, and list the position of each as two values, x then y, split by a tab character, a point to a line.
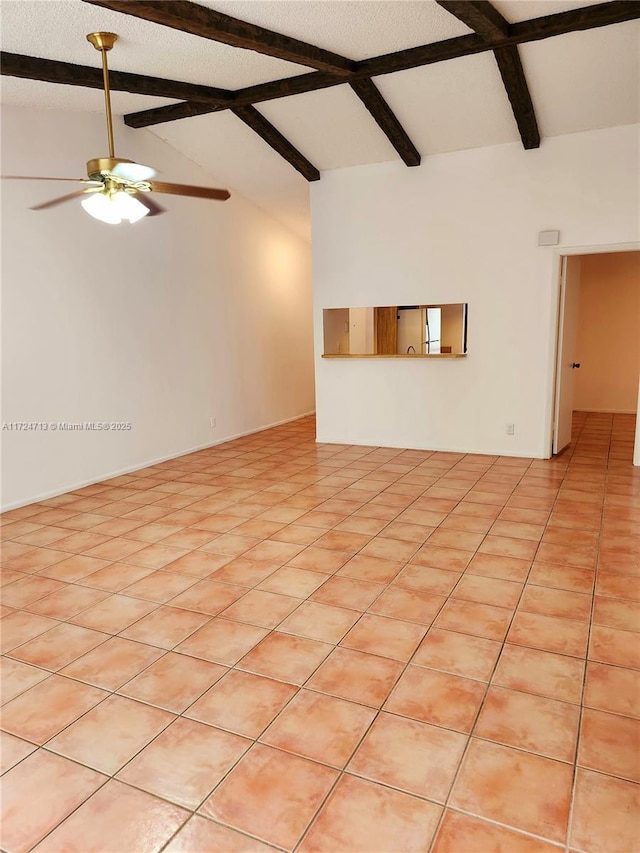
400	355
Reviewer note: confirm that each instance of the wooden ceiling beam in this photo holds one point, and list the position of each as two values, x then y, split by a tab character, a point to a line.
386	120
272	136
561	23
260	93
479	15
317	80
201	21
489	24
515	84
52	71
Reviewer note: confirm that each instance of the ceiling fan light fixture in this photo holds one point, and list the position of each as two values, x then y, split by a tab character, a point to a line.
129	207
100	207
113	208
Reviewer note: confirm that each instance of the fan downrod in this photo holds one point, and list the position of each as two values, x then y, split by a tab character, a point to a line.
103	42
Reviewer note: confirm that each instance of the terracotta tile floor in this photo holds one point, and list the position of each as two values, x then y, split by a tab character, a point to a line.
274	644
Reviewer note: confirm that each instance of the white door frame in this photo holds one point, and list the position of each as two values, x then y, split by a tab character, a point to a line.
559	253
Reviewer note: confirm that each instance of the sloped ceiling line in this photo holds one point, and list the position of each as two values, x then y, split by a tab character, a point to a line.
535	29
489	24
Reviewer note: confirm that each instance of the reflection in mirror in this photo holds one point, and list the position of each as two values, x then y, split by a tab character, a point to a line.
396	330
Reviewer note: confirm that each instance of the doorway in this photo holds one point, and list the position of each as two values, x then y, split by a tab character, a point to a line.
597	371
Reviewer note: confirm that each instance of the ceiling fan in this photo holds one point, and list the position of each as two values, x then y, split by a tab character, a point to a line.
118	189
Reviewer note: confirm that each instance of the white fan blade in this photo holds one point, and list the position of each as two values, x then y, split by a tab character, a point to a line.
133	172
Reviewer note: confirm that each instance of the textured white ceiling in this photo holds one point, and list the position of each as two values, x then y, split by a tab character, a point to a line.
452	105
586	80
578	82
332	127
33	93
354	28
521	10
56	29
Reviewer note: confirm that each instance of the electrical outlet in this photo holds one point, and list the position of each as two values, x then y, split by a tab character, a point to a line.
511	428
212	423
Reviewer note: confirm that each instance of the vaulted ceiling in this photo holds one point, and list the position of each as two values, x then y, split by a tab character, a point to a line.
372	80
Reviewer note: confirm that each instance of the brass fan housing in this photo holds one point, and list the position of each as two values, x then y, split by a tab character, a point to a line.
97	167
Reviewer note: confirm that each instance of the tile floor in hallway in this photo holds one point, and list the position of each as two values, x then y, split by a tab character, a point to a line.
273	644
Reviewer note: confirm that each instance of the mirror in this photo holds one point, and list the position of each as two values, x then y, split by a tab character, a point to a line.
426	330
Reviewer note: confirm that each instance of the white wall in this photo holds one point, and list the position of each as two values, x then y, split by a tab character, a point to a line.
463	228
202	312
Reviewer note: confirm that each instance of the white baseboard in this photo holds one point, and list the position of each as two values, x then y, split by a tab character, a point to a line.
441	449
71	487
